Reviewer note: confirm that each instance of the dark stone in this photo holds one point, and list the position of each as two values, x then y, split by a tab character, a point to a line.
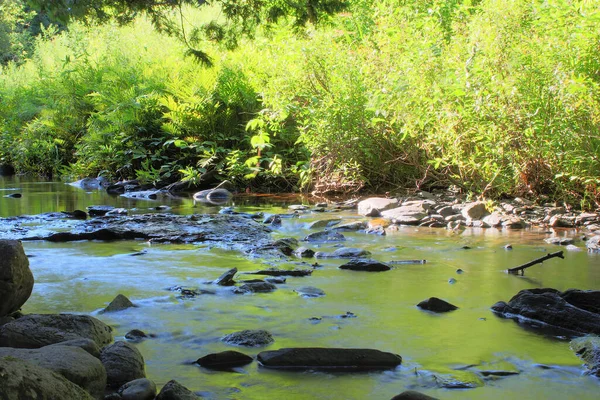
412	395
123	363
365	264
135	335
14	196
224	360
277	280
255	287
23	380
316	358
119	303
86	344
16	279
226	279
324	223
173	390
304	252
97	211
573	310
38	330
436	305
325	237
249	338
283	272
351	226
76	214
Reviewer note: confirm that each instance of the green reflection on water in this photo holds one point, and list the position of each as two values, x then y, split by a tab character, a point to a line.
85	276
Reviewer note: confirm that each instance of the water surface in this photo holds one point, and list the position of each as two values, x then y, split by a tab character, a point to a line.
82	277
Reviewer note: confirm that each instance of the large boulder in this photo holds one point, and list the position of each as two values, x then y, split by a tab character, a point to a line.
16	279
573	310
123	363
39	330
434	304
138	389
410	214
173	390
74	363
588	348
23	380
373	206
320	358
475	210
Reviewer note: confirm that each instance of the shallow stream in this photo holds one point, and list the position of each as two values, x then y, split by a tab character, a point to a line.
83	277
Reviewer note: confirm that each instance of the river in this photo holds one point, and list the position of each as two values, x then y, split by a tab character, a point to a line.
83	277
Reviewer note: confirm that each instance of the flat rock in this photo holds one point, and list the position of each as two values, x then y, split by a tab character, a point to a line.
16	279
588	349
38	330
24	380
282	272
228	231
255	287
365	264
310	291
123	363
407	215
325	237
249	338
173	390
436	305
343	252
339	359
372	207
224	360
324	223
74	363
350	226
573	310
561	241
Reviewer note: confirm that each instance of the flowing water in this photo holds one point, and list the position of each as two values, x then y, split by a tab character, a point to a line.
82	277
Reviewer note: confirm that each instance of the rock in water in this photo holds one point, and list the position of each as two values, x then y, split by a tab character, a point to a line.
119	303
138	389
226	279
588	348
23	380
436	305
173	390
412	395
123	363
365	264
38	330
16	279
573	310
224	360
318	358
249	338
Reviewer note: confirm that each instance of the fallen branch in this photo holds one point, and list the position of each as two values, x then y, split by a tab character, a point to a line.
540	260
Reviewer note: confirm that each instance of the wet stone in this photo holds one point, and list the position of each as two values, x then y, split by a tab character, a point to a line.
310	291
325	237
304	252
365	264
119	303
249	338
226	279
255	287
436	305
224	360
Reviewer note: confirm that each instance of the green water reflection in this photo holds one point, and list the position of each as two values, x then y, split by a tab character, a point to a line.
84	276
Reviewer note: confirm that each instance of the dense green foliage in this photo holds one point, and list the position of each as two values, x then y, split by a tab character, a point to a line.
493	96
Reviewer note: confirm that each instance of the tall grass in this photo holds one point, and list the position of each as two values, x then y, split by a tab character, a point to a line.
494	96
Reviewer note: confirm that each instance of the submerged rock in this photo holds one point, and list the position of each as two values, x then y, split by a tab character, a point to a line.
573	310
588	349
38	330
255	287
310	291
16	279
23	380
173	390
282	272
325	237
365	264
324	223
224	360
412	395
249	338
343	252
436	305
135	335
339	359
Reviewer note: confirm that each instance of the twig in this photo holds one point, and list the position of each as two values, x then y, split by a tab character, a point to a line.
540	260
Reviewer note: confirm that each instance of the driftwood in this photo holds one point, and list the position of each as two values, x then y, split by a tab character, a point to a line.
540	260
